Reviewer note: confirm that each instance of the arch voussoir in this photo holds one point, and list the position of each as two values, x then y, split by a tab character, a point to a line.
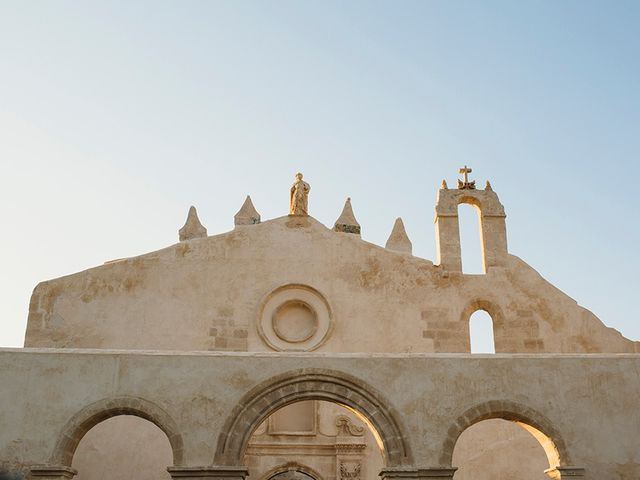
506	410
84	420
308	384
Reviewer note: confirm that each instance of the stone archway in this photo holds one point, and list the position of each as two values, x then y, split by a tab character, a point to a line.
311	384
534	422
107	408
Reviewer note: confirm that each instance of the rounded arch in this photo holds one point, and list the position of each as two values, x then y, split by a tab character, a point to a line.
486	305
292	466
92	414
470	200
310	384
531	420
494	311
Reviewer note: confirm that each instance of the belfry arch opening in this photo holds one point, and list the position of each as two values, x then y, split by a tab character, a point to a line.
314	439
471	248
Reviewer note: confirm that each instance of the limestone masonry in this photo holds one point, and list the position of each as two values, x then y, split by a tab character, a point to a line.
284	349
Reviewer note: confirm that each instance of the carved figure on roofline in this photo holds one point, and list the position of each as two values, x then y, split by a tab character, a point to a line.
299	198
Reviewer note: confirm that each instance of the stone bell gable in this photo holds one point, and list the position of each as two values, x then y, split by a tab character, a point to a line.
293	284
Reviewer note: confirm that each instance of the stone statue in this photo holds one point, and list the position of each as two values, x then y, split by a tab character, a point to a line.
299	199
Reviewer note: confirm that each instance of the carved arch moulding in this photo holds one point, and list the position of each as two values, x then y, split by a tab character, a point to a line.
534	422
91	415
311	384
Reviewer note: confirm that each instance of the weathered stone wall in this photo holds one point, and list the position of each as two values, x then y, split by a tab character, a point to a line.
207	294
208	404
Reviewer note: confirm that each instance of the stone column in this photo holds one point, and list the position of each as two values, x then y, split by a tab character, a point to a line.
448	241
401	473
564	473
494	239
211	472
52	472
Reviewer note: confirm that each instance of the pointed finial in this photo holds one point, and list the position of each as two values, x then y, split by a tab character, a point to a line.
488	186
443	185
347	222
399	240
247	215
192	227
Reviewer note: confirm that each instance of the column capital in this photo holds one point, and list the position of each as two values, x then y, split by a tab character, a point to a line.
210	472
52	472
419	473
563	473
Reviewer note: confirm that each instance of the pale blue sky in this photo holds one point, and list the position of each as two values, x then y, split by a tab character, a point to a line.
116	116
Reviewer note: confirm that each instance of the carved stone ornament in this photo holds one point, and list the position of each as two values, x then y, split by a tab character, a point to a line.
347	428
465	184
350	473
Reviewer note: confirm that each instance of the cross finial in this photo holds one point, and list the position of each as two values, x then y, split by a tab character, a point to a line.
463	184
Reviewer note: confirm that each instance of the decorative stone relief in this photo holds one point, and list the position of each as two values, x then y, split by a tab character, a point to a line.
350	470
346	427
294	318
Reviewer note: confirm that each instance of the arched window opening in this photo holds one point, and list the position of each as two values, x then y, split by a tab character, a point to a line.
470	239
481	332
304	441
124	446
498	449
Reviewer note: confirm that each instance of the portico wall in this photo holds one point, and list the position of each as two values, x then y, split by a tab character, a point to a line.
208	404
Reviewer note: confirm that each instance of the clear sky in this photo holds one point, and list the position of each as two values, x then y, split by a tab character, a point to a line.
116	116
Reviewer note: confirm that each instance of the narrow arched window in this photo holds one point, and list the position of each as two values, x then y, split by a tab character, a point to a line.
470	239
481	332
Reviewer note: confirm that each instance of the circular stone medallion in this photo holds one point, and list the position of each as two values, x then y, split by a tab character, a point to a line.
294	318
294	321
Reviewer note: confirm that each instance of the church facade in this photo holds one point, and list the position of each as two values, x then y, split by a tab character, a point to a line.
284	349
